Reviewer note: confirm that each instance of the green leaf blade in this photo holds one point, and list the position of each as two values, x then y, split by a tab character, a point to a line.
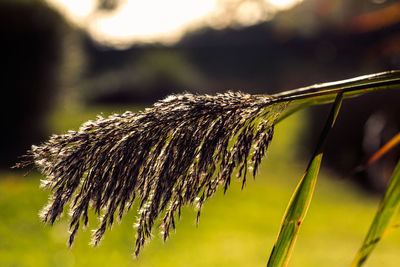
294	215
382	222
301	198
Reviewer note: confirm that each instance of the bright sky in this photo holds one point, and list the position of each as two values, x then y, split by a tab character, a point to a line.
144	21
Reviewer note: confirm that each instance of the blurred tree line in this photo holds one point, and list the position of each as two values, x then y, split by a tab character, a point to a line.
31	53
49	62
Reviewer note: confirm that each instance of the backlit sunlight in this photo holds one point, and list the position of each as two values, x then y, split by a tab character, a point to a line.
150	20
145	21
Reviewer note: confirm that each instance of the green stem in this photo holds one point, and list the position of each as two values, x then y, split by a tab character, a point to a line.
325	93
311	92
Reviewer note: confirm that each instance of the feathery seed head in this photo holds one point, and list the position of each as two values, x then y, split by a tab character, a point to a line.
178	152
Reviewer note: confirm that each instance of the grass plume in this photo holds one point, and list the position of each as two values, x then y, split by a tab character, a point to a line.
176	153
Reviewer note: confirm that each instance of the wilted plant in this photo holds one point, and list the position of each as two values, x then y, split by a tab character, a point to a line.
179	152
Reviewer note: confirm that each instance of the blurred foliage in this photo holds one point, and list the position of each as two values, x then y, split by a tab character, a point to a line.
108	5
150	75
283	53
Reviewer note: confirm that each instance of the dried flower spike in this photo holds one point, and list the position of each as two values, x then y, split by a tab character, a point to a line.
176	153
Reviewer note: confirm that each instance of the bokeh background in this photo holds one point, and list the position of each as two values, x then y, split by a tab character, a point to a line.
65	61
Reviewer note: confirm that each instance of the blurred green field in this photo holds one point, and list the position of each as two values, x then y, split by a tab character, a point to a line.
237	229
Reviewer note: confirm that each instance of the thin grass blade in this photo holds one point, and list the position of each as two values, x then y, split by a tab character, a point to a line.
301	198
382	222
392	143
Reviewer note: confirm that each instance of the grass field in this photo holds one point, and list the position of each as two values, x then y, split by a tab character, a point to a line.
237	229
